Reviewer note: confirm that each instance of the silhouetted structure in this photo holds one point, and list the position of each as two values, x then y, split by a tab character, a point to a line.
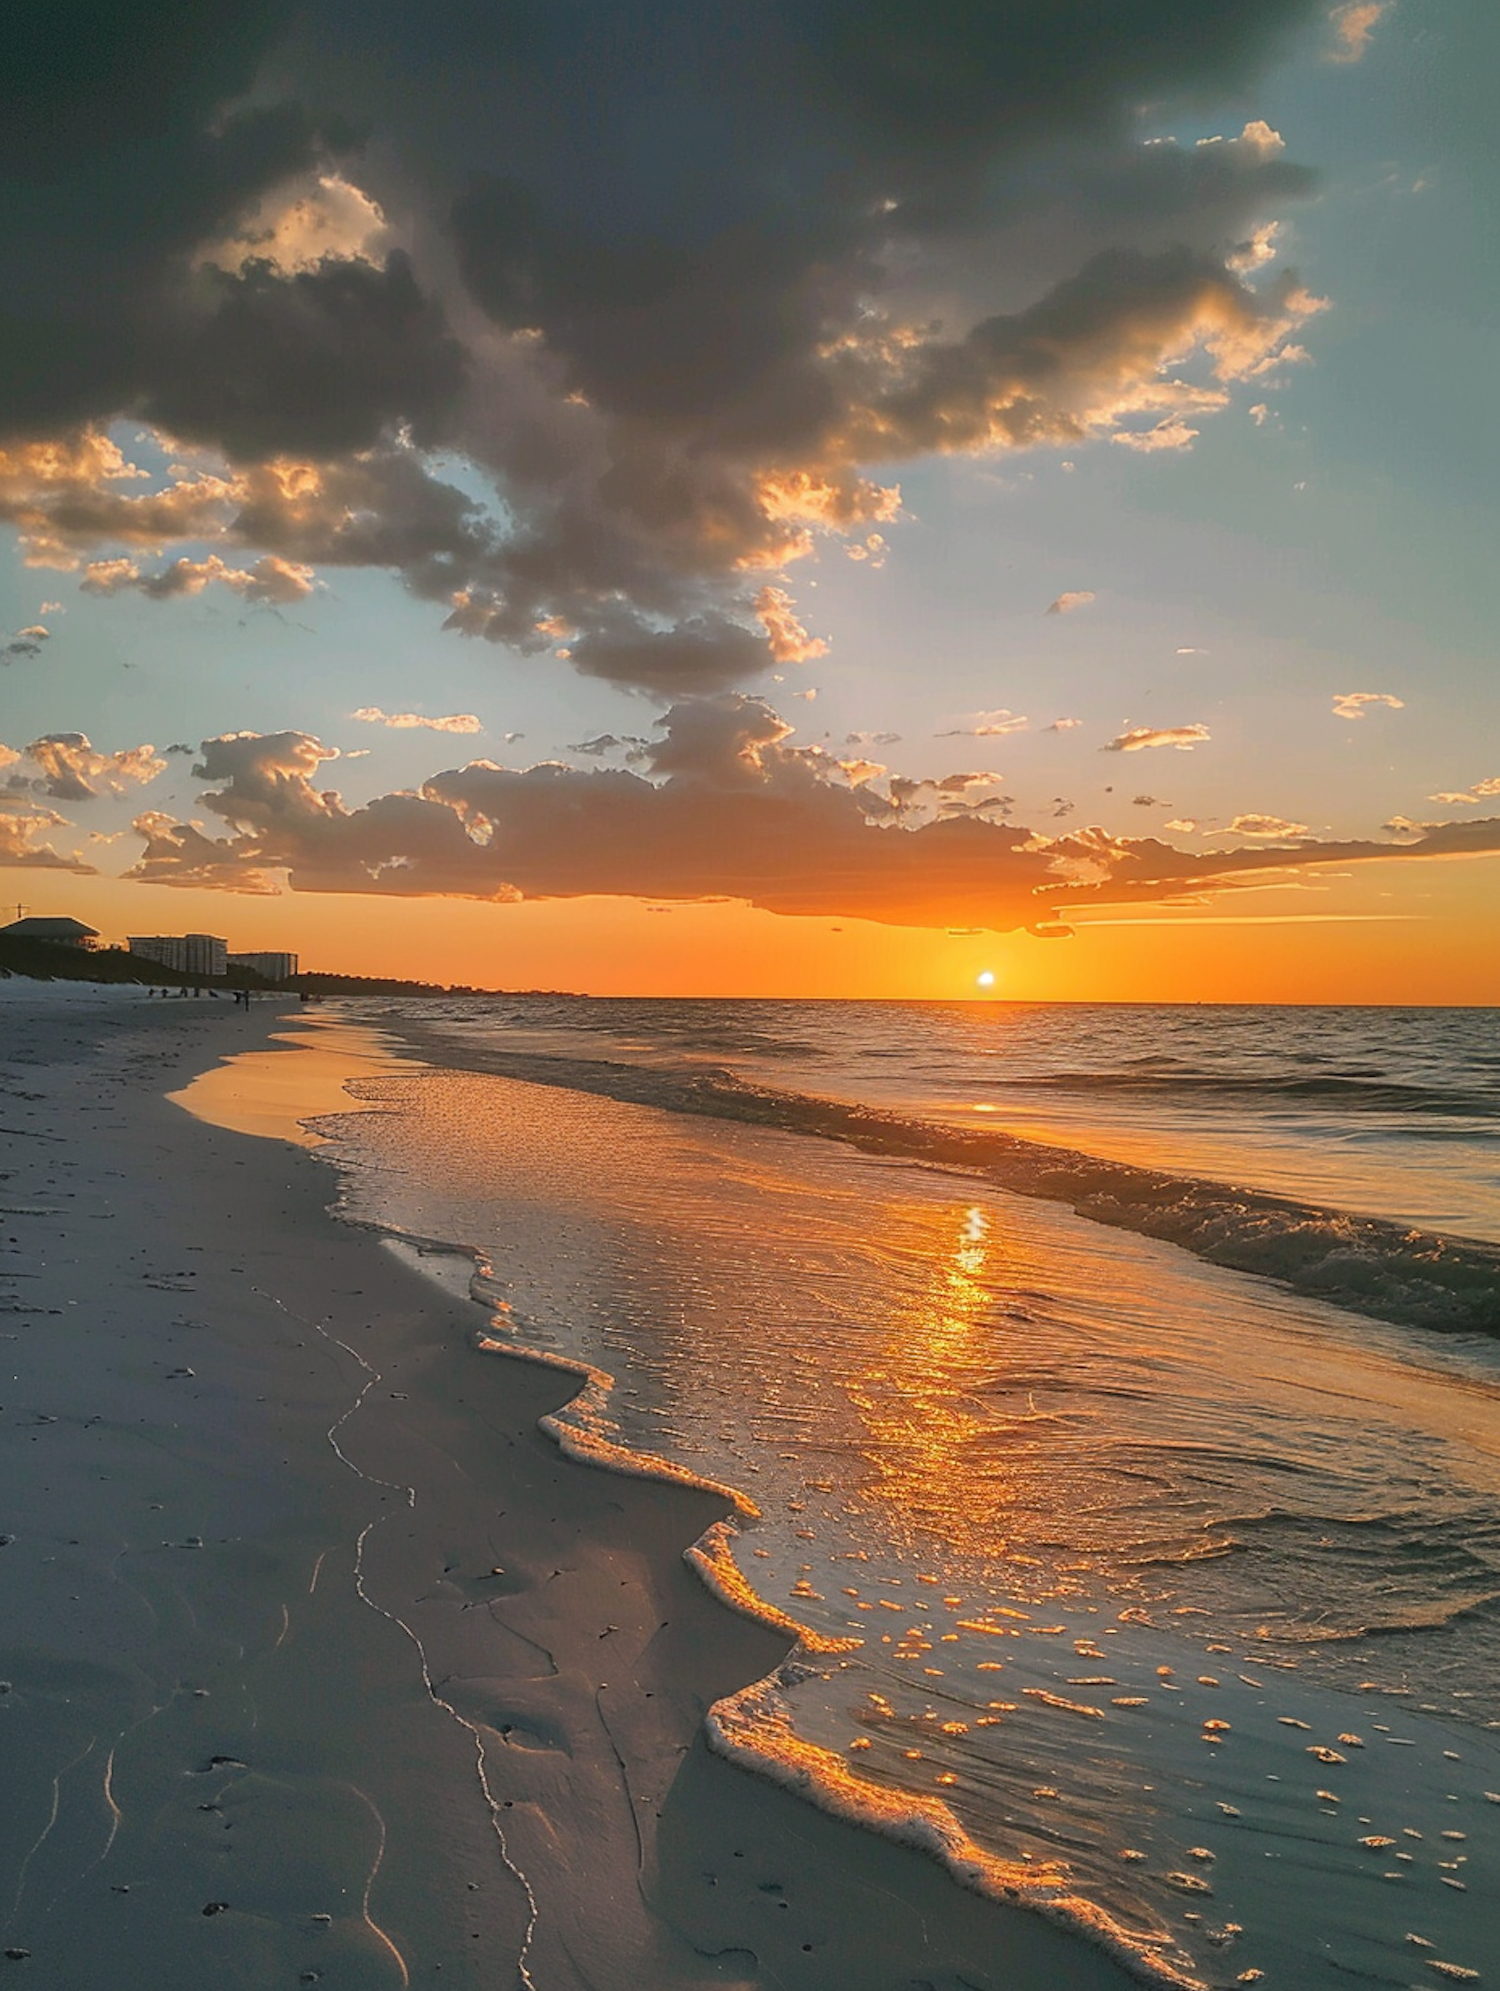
188	953
56	932
270	967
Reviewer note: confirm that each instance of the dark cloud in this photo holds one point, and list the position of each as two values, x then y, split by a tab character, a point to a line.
629	747
727	807
665	276
315	362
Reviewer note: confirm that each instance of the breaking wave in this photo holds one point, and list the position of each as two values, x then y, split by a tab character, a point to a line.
1394	1272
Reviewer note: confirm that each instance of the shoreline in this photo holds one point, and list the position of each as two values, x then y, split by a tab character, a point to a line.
265	1735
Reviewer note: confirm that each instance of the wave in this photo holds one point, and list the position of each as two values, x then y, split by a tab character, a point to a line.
1360	1091
1390	1271
753	1726
754	1729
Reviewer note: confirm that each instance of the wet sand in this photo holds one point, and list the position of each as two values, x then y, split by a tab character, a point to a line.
321	1663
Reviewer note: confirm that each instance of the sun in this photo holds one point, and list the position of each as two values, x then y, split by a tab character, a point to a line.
985	979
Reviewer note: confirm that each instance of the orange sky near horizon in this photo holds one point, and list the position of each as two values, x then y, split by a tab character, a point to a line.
1397	932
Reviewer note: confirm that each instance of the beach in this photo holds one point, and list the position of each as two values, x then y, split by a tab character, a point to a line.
322	1662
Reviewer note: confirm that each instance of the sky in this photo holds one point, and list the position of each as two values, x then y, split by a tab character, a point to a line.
776	499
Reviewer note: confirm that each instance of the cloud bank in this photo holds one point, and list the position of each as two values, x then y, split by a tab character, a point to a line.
433	294
725	807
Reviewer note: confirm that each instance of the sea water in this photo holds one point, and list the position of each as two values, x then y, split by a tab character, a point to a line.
1161	1595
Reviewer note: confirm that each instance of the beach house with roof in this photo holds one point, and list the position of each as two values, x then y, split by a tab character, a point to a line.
56	932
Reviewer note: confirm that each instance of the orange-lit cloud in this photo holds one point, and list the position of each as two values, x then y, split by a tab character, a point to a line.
269	580
21	845
728	808
1480	791
1172	432
1355	704
645	566
1075	598
1140	737
788	640
410	337
406	722
70	769
299	225
1276	827
67	495
1353	25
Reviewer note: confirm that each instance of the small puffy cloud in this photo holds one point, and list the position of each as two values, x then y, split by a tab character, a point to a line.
21	848
271	580
408	722
1258	249
983	726
871	739
1074	597
788	640
25	643
1263	826
1190	650
1467	798
1062	726
1355	704
1149	802
71	769
1172	432
1353	25
1137	738
1407	826
1181	826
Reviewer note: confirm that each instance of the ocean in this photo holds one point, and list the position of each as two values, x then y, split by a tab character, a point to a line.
1107	1398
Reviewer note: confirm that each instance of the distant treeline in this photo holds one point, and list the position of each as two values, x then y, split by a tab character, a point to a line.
44	960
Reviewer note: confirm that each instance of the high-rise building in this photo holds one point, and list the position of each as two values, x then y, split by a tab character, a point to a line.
188	953
270	967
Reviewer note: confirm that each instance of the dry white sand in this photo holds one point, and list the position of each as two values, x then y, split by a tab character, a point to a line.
421	1705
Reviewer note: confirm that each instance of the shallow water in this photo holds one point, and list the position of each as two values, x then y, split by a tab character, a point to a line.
1170	1595
1391	1113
